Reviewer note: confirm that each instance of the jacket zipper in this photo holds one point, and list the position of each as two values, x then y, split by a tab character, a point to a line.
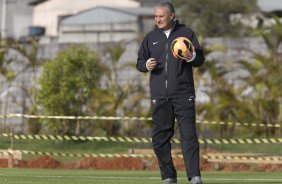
166	63
166	70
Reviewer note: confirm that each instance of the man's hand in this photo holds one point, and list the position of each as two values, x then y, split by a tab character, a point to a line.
151	64
190	56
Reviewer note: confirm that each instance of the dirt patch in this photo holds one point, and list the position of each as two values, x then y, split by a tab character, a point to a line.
268	168
123	163
44	162
107	164
3	163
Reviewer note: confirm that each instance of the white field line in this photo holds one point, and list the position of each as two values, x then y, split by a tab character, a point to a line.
236	180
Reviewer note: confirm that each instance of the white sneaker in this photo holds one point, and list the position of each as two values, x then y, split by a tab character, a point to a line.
170	181
196	180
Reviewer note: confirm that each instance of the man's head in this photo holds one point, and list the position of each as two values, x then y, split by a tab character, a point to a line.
164	15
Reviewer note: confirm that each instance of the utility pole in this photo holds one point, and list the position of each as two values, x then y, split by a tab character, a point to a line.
3	19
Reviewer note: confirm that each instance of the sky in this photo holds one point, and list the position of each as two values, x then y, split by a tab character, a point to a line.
269	5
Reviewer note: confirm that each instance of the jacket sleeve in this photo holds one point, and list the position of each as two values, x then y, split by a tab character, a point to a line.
199	60
143	56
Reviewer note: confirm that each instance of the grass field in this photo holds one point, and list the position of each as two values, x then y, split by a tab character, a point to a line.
113	147
44	176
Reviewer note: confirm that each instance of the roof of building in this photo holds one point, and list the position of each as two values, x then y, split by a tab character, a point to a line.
66	5
36	2
140	11
265	5
104	15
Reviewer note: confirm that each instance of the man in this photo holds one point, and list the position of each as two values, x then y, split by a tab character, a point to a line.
172	92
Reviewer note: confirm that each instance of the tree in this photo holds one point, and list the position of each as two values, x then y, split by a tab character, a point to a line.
5	72
28	51
118	98
258	98
224	102
212	18
66	85
265	79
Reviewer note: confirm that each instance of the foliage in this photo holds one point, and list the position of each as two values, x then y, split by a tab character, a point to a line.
118	98
224	103
258	98
212	18
265	78
6	73
33	125
4	62
66	85
29	51
13	52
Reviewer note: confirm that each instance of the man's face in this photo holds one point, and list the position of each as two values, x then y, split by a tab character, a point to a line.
163	18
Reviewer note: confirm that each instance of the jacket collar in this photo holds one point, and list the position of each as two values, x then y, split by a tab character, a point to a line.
176	24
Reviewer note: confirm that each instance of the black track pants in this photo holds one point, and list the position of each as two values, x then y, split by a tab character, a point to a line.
163	113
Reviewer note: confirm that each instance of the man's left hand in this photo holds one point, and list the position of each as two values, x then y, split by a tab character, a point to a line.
190	56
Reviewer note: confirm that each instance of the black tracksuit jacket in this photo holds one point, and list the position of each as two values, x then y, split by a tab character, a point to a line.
173	77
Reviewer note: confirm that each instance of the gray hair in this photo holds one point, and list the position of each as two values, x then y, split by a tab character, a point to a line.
166	4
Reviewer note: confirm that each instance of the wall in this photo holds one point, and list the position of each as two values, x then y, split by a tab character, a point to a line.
18	18
47	14
236	49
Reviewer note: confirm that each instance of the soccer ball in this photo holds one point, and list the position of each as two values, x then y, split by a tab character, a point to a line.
180	47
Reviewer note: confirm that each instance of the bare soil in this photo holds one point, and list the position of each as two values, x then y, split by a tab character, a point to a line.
132	164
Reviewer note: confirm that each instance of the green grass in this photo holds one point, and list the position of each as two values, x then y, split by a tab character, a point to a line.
274	149
122	147
70	146
96	147
67	146
44	176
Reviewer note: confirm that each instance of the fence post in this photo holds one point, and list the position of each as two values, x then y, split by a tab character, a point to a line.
11	152
10	158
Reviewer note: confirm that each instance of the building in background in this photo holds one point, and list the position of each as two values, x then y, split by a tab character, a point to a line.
268	8
48	14
21	18
91	22
263	18
16	17
150	3
103	24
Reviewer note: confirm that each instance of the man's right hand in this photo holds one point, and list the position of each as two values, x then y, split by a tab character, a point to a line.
151	64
